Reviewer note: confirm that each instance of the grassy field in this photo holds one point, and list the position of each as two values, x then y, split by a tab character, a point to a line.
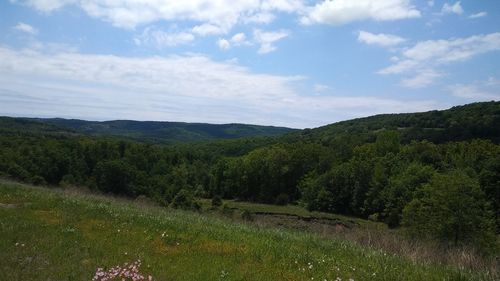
54	235
290	210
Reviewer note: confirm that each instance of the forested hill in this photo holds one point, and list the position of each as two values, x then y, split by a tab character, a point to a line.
436	173
27	127
144	131
471	121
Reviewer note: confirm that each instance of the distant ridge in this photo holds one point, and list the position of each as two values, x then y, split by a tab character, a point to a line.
145	131
479	120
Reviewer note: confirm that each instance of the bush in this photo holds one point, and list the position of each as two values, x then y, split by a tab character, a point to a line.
67	180
226	210
38	180
282	199
374	217
246	215
184	200
144	200
216	201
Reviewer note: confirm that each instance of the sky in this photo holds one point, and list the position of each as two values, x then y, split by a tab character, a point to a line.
294	63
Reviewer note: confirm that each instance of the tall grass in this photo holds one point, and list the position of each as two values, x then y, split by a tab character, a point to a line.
59	236
373	235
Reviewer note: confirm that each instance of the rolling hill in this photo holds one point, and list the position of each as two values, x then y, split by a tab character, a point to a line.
144	131
472	121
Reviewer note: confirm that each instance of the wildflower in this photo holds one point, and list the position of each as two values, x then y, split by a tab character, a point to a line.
125	272
223	274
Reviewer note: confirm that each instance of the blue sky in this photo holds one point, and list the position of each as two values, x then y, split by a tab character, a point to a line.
296	63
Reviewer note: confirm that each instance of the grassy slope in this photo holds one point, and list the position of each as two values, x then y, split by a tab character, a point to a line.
67	236
293	210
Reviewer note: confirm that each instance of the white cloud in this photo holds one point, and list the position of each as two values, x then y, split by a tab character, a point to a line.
337	12
478	15
422	79
45	5
219	17
482	90
266	39
207	29
176	88
430	3
381	39
222	14
223	44
239	38
320	88
434	53
452	9
24	27
157	38
260	18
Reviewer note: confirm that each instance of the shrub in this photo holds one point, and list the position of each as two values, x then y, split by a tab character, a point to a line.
184	200
246	215
216	201
226	210
282	199
38	180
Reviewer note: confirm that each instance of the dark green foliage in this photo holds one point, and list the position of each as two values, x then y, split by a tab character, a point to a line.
185	200
476	120
401	190
226	210
160	132
216	201
116	176
451	207
282	199
246	215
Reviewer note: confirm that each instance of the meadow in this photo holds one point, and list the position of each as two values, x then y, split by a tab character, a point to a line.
52	234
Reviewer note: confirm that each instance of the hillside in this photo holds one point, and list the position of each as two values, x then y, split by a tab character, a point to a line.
476	120
23	126
165	132
142	131
53	235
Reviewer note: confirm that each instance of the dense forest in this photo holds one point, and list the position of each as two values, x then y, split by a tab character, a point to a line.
159	132
436	173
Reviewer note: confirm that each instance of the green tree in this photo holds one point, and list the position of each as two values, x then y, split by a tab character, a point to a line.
185	200
452	208
401	189
116	176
